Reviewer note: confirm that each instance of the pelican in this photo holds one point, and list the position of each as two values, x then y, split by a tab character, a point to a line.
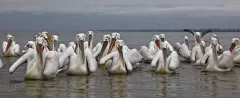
164	64
198	50
40	63
223	62
61	47
102	48
148	53
10	48
164	41
110	48
236	59
72	45
219	46
120	62
47	38
183	50
30	44
81	62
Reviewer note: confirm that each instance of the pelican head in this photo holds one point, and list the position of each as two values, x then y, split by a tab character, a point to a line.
10	38
45	35
214	35
72	44
106	40
162	37
185	37
81	39
47	38
214	41
198	36
156	40
106	37
30	44
115	36
235	42
40	47
55	38
120	44
90	37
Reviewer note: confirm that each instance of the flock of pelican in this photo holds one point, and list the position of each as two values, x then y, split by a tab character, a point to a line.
46	57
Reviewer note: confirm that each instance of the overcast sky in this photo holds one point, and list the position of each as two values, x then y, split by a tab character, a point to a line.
135	14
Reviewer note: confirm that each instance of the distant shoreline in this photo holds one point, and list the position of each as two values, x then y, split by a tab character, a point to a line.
140	30
164	30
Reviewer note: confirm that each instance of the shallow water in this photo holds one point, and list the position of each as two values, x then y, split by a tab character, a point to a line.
142	83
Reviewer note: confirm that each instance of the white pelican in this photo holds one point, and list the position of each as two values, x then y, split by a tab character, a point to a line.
72	45
165	42
162	63
61	47
82	62
10	48
120	61
110	48
40	63
219	46
221	63
236	59
183	50
47	38
148	53
198	50
30	44
99	53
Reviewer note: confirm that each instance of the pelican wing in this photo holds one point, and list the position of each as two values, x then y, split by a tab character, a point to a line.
4	45
190	31
111	55
184	51
173	61
96	50
16	49
146	54
204	32
62	48
134	56
66	55
193	54
156	59
236	59
226	60
169	46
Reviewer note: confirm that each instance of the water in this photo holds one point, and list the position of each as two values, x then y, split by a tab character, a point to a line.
142	83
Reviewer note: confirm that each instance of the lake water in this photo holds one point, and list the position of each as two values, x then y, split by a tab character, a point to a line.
142	83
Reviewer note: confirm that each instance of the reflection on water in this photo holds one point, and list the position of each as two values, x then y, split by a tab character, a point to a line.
34	88
142	83
118	86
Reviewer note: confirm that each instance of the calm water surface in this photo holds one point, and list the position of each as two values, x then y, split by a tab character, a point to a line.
142	83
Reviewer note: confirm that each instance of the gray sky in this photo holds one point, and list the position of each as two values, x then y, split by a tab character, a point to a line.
152	11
